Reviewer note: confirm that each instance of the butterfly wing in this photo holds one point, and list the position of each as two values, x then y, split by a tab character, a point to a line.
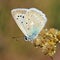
35	20
19	15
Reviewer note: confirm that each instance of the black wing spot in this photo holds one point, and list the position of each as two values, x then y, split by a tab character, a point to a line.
23	17
17	18
26	23
18	15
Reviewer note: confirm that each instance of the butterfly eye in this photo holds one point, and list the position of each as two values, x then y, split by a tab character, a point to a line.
25	38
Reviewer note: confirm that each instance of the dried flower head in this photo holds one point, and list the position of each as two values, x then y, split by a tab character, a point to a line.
47	40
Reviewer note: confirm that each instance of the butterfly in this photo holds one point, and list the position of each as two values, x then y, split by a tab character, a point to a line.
30	21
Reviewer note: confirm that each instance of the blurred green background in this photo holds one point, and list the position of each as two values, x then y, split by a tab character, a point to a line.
12	49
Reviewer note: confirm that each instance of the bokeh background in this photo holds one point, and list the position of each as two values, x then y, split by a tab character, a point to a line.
12	49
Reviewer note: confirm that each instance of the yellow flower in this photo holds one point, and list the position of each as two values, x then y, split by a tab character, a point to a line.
47	40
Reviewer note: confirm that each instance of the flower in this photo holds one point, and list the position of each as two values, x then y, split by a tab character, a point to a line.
47	40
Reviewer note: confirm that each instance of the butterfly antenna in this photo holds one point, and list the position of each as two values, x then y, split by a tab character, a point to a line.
17	38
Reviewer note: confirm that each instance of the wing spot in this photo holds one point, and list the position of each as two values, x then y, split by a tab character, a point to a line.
26	23
17	18
21	22
23	17
25	38
28	19
18	15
